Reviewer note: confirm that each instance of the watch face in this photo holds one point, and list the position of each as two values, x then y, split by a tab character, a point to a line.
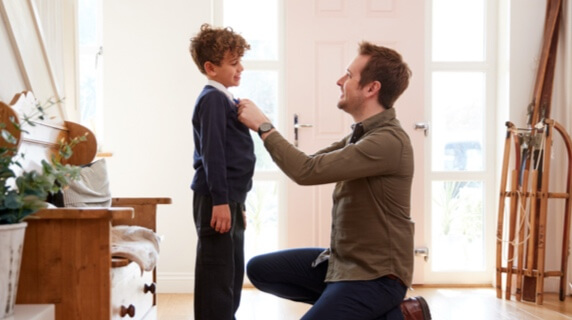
265	127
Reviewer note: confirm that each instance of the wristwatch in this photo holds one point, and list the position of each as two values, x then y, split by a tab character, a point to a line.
265	127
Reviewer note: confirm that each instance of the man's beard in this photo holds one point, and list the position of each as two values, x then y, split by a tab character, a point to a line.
349	104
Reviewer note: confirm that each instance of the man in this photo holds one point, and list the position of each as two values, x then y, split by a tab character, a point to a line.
367	269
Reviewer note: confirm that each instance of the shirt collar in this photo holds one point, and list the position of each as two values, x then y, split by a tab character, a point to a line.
221	88
379	119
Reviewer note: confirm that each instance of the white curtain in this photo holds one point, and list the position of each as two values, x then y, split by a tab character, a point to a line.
50	16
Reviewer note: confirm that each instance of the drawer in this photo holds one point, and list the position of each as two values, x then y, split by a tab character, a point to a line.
152	314
131	292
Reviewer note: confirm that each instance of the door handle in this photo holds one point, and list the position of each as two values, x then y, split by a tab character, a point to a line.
422	126
422	252
297	126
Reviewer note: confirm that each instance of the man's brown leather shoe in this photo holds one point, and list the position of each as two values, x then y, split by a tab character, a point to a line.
415	308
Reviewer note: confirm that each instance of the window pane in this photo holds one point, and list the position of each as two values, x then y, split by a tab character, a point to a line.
257	22
87	90
262	88
458	30
90	66
457	123
457	226
262	218
87	22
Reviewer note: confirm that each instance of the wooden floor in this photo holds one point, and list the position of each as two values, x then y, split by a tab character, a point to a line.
445	304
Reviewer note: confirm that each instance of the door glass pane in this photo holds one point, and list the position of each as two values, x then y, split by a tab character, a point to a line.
457	226
262	88
262	218
458	30
257	22
457	129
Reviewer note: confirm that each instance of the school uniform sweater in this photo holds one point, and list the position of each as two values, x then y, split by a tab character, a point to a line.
224	151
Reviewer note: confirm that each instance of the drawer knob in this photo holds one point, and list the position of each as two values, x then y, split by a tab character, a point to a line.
150	288
130	311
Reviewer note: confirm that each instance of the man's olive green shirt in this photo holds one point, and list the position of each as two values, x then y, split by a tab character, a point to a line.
372	231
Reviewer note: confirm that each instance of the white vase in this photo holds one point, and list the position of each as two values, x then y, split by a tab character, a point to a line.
11	246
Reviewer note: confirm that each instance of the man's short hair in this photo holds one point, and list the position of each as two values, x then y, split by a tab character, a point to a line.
386	66
211	44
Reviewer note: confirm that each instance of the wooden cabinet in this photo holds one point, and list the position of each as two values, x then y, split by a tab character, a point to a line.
67	262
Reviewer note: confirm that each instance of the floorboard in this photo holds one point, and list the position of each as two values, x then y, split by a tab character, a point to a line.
445	304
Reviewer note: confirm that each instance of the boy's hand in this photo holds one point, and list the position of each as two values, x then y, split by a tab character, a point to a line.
220	220
250	115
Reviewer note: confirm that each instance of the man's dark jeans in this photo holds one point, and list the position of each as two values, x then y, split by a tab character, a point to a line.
289	274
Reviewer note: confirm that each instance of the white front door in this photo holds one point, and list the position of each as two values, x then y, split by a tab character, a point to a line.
322	37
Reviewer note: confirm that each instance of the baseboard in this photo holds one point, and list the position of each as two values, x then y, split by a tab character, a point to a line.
175	282
453	285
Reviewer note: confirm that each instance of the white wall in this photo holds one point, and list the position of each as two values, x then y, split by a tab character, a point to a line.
527	19
150	86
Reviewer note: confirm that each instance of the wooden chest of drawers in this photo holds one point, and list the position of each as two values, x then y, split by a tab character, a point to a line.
132	293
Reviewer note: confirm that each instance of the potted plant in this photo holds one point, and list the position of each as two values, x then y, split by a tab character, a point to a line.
23	193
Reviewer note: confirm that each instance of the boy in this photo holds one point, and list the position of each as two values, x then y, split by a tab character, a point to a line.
224	164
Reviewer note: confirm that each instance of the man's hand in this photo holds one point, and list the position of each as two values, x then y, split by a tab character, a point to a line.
220	220
250	115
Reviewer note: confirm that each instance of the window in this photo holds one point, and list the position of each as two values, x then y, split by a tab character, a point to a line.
260	83
461	76
90	66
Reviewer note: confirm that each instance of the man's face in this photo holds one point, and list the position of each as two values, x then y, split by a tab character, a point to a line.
352	96
228	73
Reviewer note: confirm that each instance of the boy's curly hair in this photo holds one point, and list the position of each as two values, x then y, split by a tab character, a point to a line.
211	44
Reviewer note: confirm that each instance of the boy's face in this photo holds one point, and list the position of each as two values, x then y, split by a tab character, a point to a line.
228	73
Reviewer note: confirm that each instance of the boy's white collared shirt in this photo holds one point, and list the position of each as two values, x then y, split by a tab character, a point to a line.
222	88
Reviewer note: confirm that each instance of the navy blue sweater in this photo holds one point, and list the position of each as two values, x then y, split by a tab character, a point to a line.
224	151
